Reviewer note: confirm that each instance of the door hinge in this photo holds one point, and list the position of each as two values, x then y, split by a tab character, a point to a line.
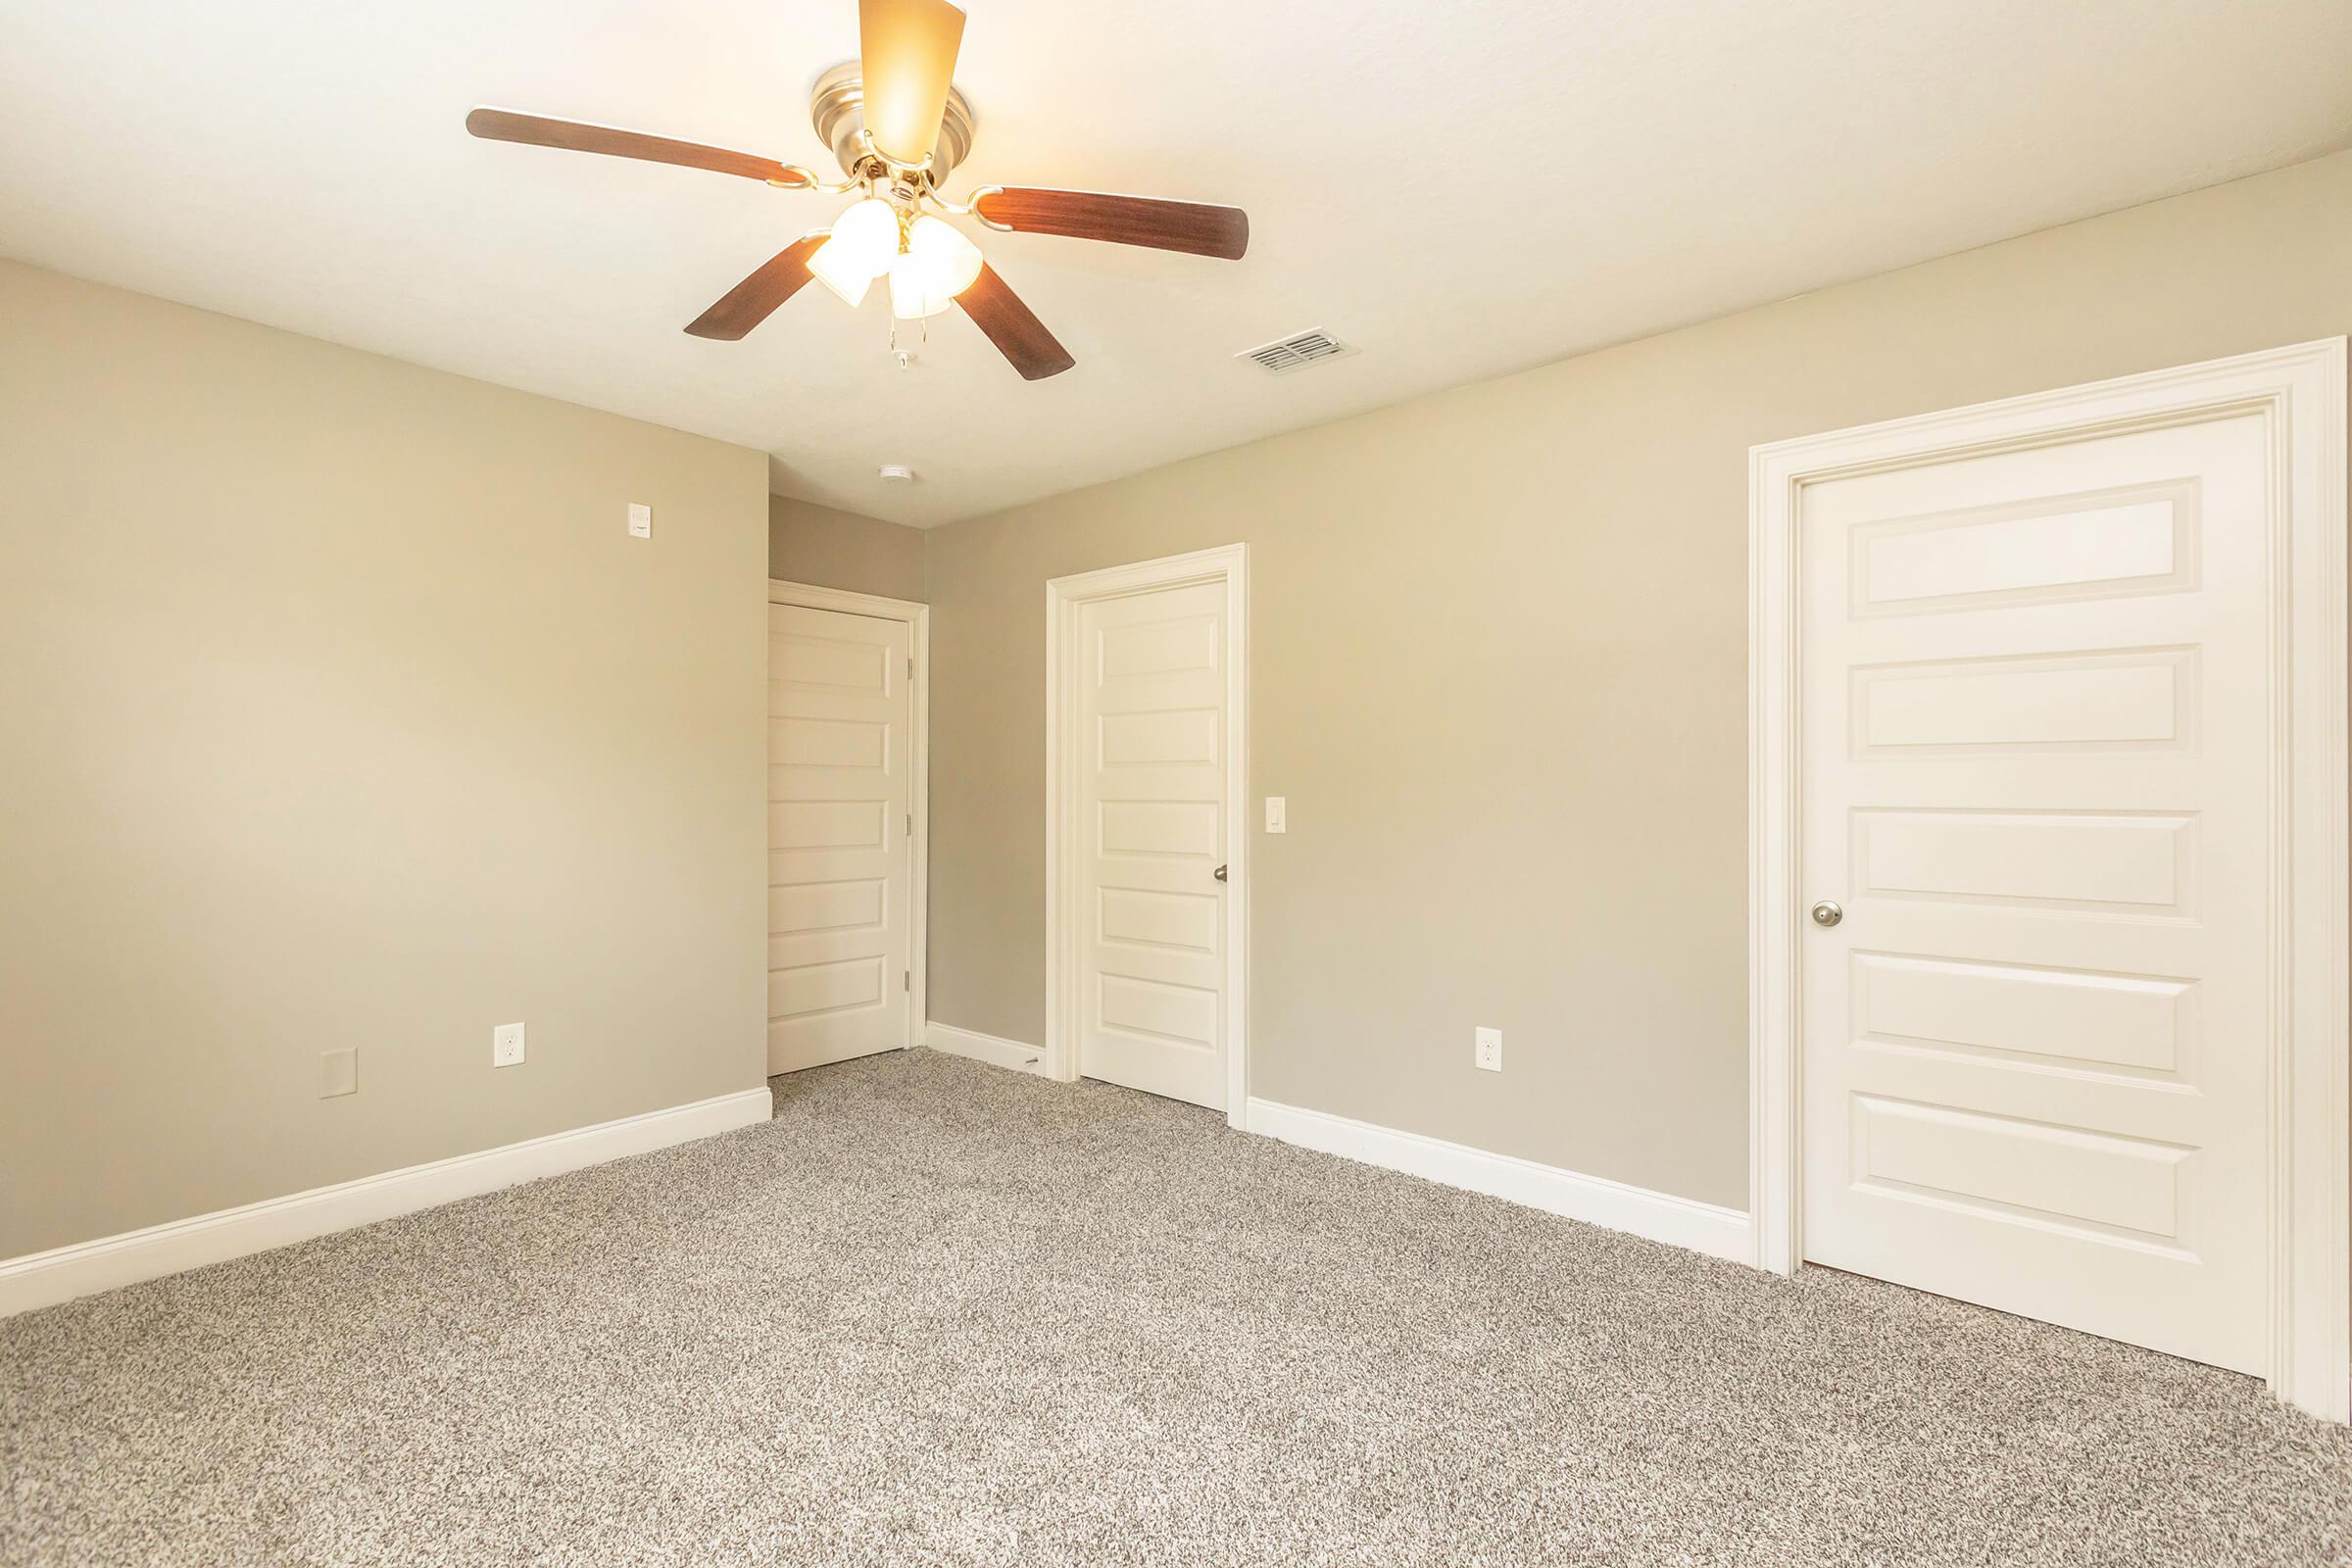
906	979
910	824
910	667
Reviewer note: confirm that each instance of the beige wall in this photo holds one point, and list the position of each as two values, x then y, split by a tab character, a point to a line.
337	707
828	548
1501	673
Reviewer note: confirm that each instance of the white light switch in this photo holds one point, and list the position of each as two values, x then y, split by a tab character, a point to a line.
641	521
506	1045
1277	815
1490	1049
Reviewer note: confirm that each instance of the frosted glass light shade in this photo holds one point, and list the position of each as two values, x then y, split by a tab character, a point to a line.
845	276
957	259
938	265
868	234
864	240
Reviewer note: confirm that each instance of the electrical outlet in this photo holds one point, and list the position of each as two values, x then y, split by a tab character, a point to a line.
1490	1049
338	1072
506	1045
641	521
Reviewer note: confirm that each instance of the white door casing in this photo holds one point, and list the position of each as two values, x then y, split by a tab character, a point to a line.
1146	947
2049	695
844	819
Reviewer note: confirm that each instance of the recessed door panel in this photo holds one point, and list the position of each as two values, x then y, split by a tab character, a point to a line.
816	662
854	743
841	985
1184	1014
2035	550
1159	828
2009	1169
1174	647
2093	704
2053	1015
2085	860
1163	736
1186	921
794	825
796	909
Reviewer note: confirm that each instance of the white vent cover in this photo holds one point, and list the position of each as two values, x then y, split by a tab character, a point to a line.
1296	351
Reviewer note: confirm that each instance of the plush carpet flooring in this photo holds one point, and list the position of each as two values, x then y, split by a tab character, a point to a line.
939	1314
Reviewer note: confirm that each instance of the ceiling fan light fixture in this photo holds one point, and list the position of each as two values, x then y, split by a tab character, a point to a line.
896	123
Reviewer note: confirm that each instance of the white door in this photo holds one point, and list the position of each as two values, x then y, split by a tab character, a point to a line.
840	949
2035	706
1151	837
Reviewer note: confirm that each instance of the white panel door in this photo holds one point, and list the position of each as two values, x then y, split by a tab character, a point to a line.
2035	704
1150	841
840	720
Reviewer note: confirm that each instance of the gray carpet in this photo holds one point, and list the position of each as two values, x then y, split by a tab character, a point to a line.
939	1314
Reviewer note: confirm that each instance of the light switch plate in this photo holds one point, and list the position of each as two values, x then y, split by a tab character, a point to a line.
641	521
338	1072
1277	815
1490	1049
506	1045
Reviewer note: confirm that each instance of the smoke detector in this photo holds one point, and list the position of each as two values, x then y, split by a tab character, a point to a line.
896	473
1296	351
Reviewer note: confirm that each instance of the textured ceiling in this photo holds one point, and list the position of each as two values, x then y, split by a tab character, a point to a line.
1460	189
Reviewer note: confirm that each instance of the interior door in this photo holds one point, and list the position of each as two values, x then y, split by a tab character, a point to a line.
1151	835
840	949
2034	693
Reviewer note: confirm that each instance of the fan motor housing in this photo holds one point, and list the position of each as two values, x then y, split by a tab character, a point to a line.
837	108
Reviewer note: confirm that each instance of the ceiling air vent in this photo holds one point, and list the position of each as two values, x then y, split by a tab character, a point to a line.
1296	351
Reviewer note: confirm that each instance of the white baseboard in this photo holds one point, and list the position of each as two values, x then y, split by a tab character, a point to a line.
84	1268
993	1050
1701	1227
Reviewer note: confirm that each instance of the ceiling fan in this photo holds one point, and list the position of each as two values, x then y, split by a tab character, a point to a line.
898	127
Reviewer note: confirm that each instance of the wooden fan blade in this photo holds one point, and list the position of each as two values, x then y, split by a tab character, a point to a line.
1018	333
756	298
1190	226
907	60
504	124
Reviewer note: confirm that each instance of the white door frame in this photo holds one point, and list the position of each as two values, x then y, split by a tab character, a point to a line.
1064	598
2299	393
917	619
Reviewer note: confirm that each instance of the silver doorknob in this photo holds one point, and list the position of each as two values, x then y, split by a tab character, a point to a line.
1827	914
1218	873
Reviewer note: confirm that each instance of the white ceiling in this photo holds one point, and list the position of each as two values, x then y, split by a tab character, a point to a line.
1615	168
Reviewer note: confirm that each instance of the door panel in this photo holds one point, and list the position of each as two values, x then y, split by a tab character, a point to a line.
2089	705
839	914
1152	832
2033	706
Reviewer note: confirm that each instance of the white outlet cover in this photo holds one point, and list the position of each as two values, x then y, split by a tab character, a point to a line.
1490	1049
506	1045
1277	815
641	521
338	1072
